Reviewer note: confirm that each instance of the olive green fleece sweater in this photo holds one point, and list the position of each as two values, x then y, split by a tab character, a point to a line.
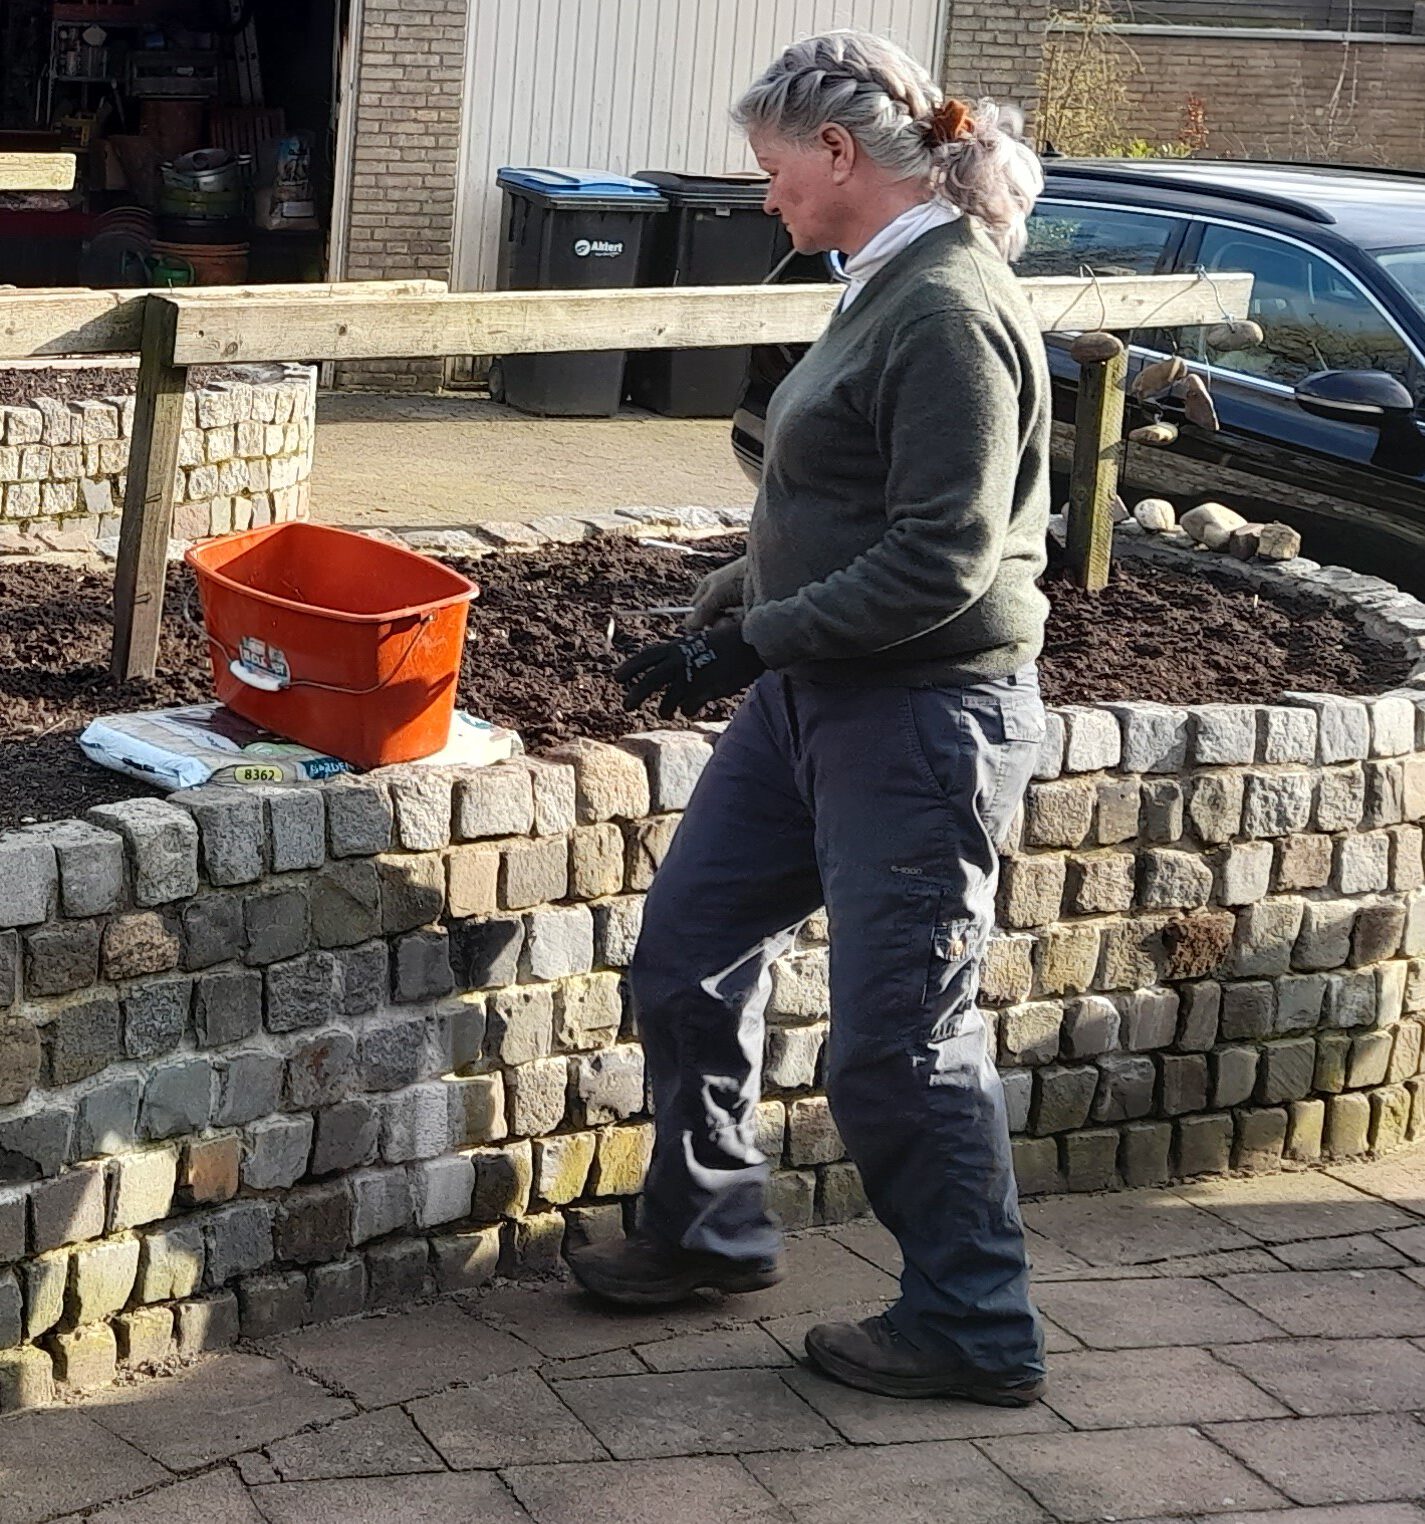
900	526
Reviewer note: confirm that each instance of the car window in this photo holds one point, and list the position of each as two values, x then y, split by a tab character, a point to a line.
1312	315
1408	267
1065	240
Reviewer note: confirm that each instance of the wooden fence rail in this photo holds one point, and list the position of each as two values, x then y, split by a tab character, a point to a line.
174	330
36	324
369	325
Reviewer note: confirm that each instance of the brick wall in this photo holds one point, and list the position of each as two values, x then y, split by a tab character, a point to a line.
1284	97
996	49
407	114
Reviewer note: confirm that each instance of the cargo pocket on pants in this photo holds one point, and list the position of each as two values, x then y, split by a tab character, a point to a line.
952	975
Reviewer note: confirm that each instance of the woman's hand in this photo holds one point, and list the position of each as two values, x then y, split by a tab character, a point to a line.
718	595
691	671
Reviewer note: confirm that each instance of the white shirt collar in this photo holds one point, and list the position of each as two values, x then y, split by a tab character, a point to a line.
883	247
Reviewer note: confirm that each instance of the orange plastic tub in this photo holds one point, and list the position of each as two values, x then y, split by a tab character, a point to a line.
341	642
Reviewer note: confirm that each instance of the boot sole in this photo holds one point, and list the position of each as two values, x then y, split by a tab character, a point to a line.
887	1385
668	1293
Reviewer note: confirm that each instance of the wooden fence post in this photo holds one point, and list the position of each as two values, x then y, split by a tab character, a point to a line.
148	498
1093	479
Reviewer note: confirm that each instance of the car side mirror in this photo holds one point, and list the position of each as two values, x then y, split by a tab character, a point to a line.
1370	397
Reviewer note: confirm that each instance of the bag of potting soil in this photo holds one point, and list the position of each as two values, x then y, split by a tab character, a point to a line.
206	743
283	199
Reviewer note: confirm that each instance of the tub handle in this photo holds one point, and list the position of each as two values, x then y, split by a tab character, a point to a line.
255	677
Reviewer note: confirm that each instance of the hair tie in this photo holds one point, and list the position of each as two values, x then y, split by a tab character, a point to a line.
951	122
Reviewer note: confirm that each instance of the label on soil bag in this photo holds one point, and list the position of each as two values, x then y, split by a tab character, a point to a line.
600	248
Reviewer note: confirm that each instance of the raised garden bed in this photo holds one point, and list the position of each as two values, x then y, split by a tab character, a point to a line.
366	1040
550	627
65	432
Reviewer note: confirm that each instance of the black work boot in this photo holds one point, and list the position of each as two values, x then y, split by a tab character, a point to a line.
639	1271
873	1356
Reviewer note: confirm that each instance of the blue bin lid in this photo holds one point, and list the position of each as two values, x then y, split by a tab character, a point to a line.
596	184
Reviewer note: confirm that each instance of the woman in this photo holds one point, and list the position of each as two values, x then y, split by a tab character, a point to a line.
890	621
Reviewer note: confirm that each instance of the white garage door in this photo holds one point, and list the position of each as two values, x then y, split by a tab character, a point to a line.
628	85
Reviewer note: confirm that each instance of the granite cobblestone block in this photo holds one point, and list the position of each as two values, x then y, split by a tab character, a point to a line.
1277	803
345	903
1214	806
300	992
1224	735
295	825
61	957
1099	883
422	803
227	1006
156	1015
610	783
360	817
1407	871
1343	725
1162	810
139	944
1154	737
107	1117
82	1036
320	1070
230	831
1340	799
1384	802
1287	735
275	1152
1245	872
1200	1010
1093	740
249	1085
495	801
213	930
278	924
554	791
161	842
1118	817
1059	814
674	760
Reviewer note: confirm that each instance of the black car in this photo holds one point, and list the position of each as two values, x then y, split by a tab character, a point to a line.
1323	423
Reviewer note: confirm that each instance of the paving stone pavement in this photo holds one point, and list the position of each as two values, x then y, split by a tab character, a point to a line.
1245	1351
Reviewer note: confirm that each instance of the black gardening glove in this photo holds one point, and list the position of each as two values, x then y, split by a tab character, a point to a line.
691	671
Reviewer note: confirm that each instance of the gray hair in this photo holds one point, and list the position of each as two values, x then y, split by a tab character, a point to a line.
887	102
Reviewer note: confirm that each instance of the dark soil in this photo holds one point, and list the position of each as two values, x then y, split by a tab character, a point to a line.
549	629
19	386
1200	638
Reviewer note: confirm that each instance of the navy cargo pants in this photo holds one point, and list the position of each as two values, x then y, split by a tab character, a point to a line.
886	805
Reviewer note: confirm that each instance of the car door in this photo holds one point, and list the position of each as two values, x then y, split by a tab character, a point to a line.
1355	490
1083	237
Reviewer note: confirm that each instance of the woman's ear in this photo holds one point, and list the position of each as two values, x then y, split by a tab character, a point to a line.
839	143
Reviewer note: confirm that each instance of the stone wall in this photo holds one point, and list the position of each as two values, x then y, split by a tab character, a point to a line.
271	1056
1280	96
245	458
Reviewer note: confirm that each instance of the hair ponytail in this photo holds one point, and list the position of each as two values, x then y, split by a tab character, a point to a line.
972	158
990	173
